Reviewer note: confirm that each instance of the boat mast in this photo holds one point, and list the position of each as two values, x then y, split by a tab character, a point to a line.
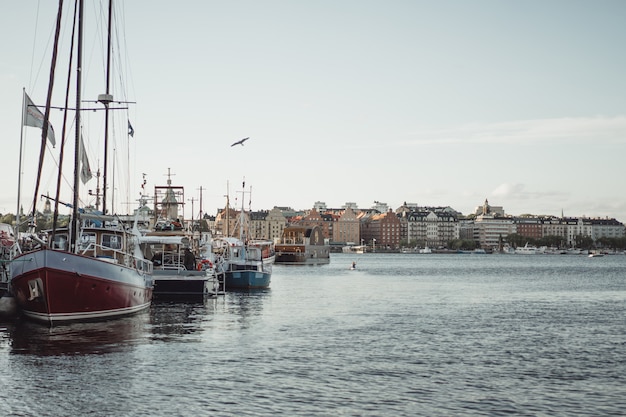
227	211
106	99
55	217
46	123
79	64
19	164
241	216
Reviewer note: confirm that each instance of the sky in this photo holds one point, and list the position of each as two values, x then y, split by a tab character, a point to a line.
436	103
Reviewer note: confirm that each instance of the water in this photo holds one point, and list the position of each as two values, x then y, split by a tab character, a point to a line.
402	335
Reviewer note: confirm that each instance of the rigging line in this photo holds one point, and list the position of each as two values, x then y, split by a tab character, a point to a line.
64	131
32	58
44	130
122	141
32	79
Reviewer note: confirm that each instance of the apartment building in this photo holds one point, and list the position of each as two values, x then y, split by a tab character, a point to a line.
432	227
346	228
381	229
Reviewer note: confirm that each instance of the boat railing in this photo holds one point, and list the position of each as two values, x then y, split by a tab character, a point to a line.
107	254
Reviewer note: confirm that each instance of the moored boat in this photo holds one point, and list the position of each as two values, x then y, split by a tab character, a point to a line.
181	256
354	249
243	265
102	278
92	269
529	250
177	271
242	262
7	252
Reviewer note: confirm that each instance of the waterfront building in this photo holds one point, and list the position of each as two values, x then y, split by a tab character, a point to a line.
346	228
577	227
432	227
554	226
276	223
490	231
529	226
492	226
606	228
227	222
381	229
258	228
313	218
466	228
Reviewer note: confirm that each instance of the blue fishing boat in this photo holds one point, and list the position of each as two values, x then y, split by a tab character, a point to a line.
244	265
243	262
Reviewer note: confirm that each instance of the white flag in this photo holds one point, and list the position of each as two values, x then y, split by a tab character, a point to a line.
85	170
33	117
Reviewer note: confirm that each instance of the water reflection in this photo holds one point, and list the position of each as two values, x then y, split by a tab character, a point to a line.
77	338
247	306
165	321
175	319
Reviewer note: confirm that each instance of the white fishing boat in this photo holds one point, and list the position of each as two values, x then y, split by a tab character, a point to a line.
181	255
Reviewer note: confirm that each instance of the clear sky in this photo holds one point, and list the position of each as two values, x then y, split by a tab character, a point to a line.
441	103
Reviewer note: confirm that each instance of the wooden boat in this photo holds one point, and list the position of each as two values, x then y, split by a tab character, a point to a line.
91	270
100	279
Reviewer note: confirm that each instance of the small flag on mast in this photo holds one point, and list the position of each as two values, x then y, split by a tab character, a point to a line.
34	117
131	131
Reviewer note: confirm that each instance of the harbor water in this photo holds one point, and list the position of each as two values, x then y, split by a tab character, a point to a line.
401	335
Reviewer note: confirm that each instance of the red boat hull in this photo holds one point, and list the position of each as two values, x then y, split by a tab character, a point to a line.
54	286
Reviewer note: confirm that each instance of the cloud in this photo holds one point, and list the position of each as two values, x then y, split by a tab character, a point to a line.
507	190
519	192
599	129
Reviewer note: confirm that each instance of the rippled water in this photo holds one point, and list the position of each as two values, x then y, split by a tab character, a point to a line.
402	335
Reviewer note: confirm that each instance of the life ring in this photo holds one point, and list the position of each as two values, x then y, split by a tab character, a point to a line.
204	264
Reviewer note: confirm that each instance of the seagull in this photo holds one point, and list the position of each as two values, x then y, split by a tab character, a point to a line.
239	142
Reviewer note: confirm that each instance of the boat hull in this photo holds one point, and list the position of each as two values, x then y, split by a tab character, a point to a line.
247	279
187	283
302	254
55	286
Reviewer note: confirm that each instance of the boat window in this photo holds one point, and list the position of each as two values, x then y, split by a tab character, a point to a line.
111	241
86	239
60	242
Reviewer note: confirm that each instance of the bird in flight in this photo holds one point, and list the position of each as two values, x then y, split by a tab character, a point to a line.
239	142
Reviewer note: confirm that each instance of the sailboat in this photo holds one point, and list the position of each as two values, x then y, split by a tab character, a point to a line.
92	270
243	262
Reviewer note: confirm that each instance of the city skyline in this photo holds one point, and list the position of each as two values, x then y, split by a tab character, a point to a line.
433	103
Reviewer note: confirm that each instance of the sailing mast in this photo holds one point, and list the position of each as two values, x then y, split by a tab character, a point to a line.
57	199
106	99
79	64
45	127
